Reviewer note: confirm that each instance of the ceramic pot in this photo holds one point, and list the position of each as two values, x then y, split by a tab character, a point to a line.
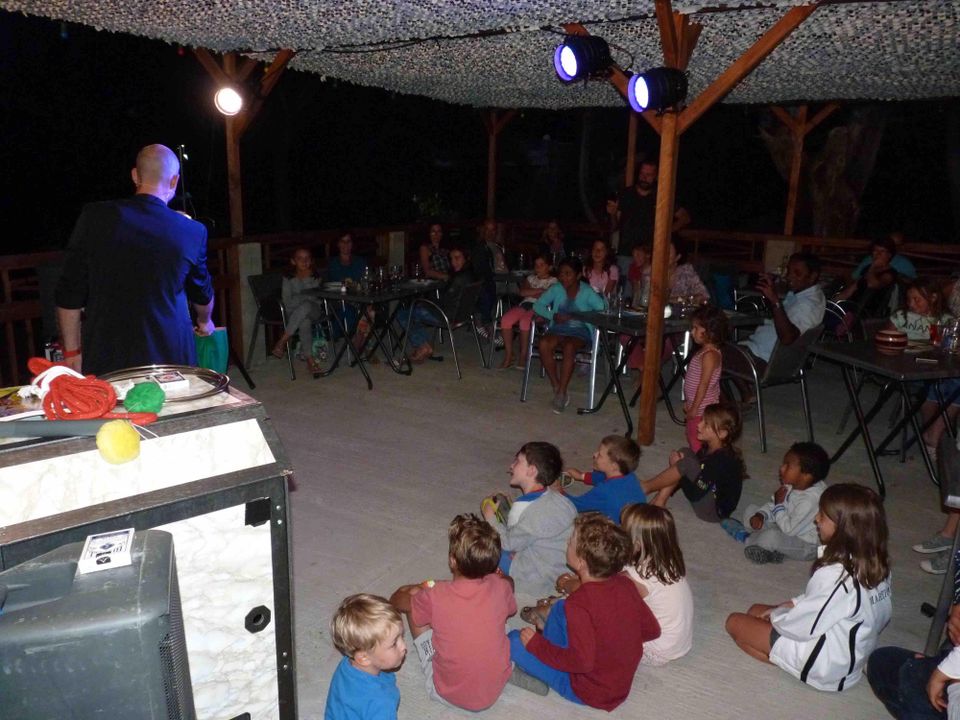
890	342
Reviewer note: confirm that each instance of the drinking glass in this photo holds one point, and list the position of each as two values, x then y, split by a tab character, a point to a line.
417	272
935	333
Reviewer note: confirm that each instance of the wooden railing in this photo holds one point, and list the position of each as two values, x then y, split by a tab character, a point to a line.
27	280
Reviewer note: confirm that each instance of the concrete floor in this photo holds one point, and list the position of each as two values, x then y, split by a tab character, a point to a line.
381	473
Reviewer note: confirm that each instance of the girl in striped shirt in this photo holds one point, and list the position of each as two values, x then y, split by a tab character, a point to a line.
701	385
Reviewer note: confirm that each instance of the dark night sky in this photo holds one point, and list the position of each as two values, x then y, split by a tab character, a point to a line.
77	104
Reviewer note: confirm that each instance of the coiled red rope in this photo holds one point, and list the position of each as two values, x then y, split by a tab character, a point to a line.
74	398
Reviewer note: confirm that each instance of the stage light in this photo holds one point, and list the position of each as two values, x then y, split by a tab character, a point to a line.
581	56
228	101
657	89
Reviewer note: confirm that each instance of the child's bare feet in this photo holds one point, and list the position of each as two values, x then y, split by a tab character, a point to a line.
279	350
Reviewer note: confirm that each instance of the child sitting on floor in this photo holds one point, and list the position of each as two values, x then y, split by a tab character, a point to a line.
824	635
593	640
614	483
784	526
712	479
534	536
659	574
369	632
457	625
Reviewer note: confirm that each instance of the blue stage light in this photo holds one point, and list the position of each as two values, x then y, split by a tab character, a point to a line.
657	89
581	56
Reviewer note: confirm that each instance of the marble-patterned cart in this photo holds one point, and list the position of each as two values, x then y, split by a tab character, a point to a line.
216	477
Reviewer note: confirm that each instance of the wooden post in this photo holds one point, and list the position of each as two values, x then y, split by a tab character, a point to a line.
659	292
494	126
492	165
799	127
630	173
239	258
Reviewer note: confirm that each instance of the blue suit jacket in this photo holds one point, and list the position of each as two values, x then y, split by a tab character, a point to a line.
135	265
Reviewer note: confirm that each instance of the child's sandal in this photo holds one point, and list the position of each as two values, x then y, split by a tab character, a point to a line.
532	615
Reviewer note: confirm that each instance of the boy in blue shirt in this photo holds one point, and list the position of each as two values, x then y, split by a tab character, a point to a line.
368	630
614	483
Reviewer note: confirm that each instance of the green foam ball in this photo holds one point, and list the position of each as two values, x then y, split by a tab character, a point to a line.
145	397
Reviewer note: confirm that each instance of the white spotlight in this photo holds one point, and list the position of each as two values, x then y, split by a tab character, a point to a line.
228	101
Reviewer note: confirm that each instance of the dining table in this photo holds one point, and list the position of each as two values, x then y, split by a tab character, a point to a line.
900	373
384	304
612	324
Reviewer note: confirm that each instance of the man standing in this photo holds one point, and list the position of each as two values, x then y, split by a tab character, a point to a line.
637	210
132	266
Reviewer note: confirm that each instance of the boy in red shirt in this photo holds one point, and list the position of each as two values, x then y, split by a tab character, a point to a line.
592	642
458	625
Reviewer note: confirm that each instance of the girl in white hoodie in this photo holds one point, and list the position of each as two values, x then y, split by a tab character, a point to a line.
824	636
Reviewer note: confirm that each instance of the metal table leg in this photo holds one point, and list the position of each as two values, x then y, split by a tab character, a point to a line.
613	384
347	344
864	428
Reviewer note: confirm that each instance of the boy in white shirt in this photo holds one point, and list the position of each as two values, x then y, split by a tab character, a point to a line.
783	527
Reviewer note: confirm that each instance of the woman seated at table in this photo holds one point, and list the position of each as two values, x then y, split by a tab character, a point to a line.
434	259
551	243
302	308
685	286
348	268
462	275
600	270
570	294
869	296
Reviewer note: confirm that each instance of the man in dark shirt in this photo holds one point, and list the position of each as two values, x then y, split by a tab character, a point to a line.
637	210
132	267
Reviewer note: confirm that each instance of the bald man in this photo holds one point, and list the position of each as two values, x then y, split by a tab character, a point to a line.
133	269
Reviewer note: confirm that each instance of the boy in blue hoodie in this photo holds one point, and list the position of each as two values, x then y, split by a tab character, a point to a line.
614	483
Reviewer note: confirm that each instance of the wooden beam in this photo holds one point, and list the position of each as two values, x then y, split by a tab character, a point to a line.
786	118
798	133
271	76
211	66
742	67
630	171
666	191
494	126
825	112
668	33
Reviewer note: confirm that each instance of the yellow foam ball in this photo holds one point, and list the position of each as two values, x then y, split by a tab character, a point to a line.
118	442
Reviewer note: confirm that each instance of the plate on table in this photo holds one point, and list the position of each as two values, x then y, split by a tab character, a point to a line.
332	285
420	281
633	313
199	382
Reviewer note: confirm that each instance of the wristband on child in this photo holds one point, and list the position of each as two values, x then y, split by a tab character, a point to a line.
67	354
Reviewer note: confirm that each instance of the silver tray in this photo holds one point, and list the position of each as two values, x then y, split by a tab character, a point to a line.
218	381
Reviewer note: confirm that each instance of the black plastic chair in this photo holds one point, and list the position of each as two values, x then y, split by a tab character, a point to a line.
267	293
786	366
463	315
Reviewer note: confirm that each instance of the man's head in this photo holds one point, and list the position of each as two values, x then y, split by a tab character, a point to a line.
368	630
157	172
646	177
474	547
536	463
803	271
